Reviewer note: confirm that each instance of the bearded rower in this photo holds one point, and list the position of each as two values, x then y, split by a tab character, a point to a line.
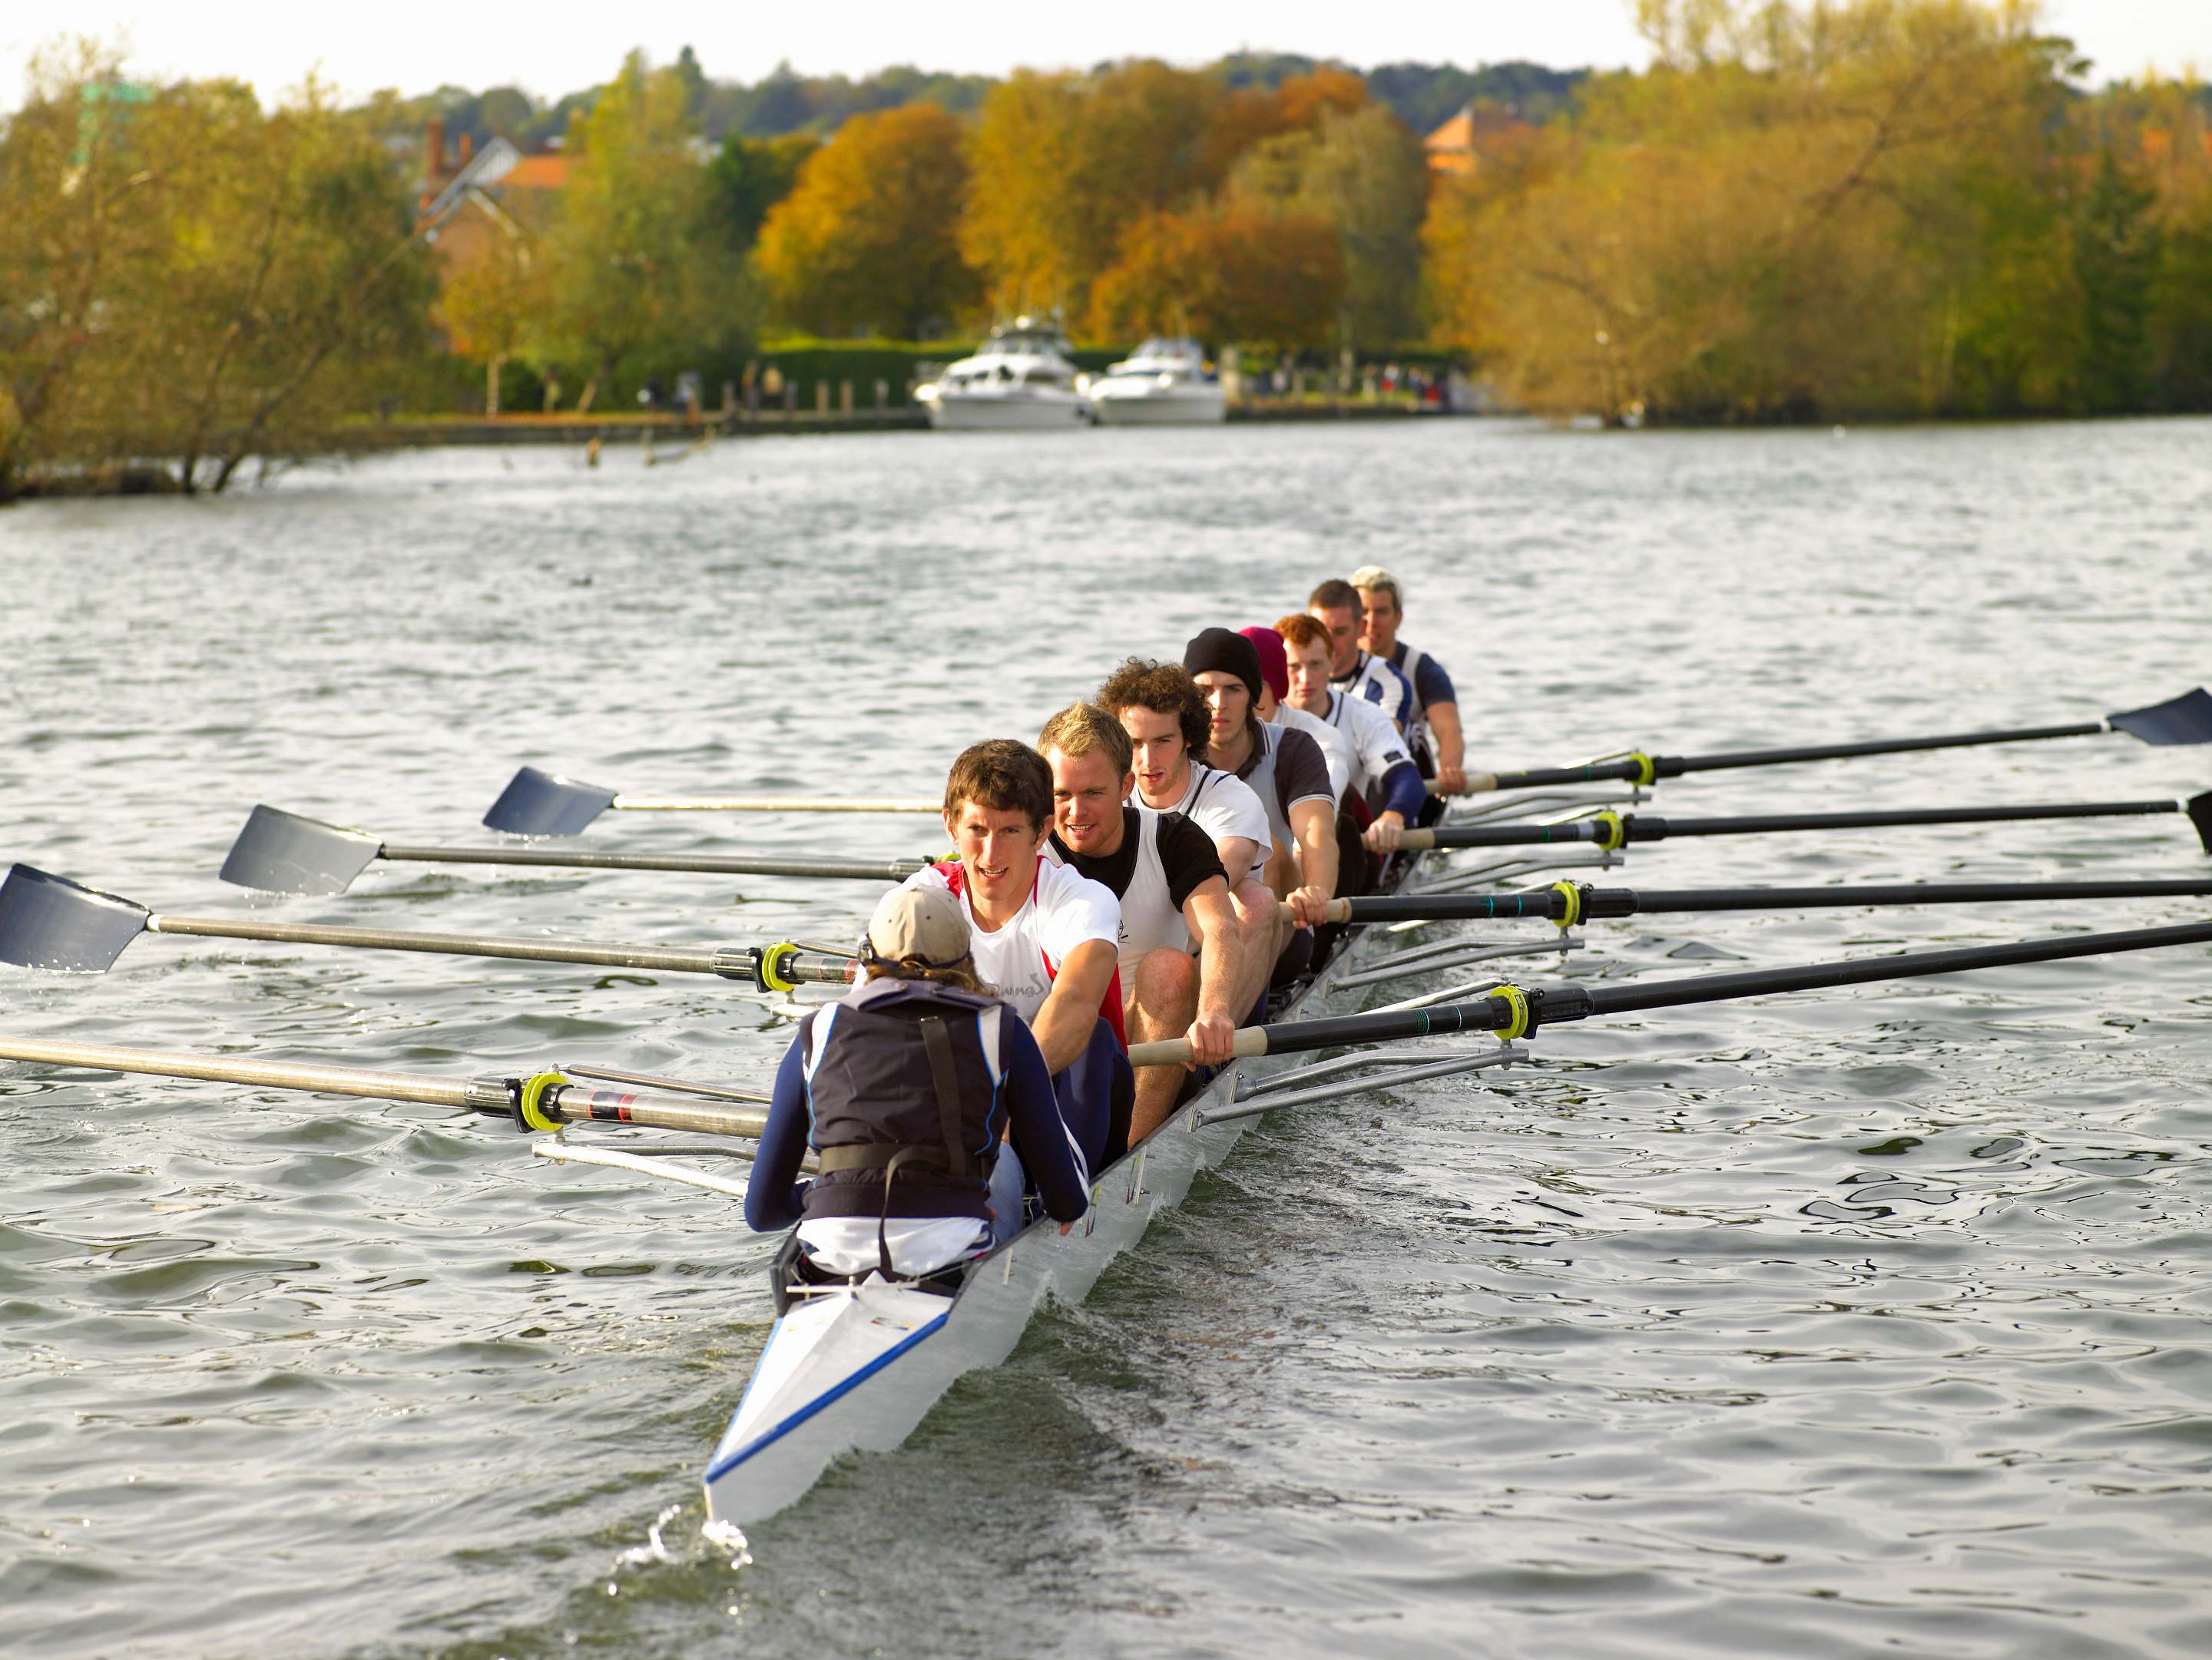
1286	769
1439	745
1045	940
1387	777
1161	709
1354	669
1181	955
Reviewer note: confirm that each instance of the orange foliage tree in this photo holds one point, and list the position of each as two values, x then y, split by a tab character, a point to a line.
1235	272
866	242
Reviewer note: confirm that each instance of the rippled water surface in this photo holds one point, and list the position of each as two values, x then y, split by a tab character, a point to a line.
1862	1323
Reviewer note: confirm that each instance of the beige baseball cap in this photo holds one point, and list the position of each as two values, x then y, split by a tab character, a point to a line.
924	924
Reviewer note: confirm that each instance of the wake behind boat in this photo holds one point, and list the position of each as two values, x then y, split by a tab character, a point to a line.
1020	377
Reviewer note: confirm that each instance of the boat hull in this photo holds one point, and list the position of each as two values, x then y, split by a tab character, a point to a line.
1176	408
986	414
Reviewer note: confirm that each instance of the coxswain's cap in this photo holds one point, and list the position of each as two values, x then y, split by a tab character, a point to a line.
921	925
1275	661
1232	654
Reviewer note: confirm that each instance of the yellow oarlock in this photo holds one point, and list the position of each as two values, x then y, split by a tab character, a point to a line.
1572	895
1615	835
1518	1001
530	1105
1647	774
774	959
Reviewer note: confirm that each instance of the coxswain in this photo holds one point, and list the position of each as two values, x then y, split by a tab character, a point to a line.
1160	707
1288	773
1439	742
1352	669
1387	776
1045	936
1181	954
903	1088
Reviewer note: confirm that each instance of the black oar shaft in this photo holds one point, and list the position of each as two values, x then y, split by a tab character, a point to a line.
1552	1005
1650	827
1550	904
858	870
1673	765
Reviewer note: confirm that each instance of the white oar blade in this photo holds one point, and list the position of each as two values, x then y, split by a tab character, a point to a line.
537	802
2183	719
50	923
280	852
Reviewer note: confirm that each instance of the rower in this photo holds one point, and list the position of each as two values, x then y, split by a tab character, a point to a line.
1161	709
1352	670
1439	744
1275	686
1045	936
903	1088
1387	777
1180	953
1286	769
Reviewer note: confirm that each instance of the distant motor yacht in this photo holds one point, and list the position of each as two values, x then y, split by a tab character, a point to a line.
1163	381
1020	377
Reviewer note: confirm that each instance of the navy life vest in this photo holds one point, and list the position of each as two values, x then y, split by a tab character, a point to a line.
902	1078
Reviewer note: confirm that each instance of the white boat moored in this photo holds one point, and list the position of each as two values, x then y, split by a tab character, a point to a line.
1162	383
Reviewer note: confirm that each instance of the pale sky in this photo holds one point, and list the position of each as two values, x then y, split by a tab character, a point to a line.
415	45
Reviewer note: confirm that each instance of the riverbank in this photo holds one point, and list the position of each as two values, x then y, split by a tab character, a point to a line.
406	432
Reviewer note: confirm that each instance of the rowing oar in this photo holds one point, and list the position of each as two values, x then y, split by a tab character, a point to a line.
1514	1011
1570	903
48	921
544	1102
281	851
2183	719
537	802
1610	830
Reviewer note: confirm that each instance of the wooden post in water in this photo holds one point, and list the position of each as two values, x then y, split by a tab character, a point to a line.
845	398
883	396
822	400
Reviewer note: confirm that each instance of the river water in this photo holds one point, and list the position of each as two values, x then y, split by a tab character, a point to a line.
1867	1322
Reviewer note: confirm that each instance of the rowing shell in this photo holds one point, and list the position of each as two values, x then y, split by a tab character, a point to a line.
858	1368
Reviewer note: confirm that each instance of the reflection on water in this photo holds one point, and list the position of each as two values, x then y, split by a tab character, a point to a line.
1869	1321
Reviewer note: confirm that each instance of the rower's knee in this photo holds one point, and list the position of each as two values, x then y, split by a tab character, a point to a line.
1167	989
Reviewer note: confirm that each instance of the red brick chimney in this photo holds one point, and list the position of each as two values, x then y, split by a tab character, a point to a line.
468	145
433	149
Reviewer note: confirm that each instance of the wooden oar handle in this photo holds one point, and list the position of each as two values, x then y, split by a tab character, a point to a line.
1418	841
1175	1051
1340	910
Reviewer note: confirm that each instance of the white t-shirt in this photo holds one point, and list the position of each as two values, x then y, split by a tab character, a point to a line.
1223	806
1018	959
1335	747
1374	681
1373	736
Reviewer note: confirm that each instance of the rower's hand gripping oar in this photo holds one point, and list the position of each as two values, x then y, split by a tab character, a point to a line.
544	1100
537	802
48	921
1611	830
1514	1011
2183	719
281	851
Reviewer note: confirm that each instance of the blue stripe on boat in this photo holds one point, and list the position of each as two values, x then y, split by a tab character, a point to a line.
722	1467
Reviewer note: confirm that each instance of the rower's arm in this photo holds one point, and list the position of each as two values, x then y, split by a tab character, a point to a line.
1451	748
1062	1026
1239	855
774	1198
1049	1157
1314	823
1212	921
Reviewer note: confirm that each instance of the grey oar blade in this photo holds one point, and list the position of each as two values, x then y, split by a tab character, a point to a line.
50	923
280	852
2199	809
537	802
2183	719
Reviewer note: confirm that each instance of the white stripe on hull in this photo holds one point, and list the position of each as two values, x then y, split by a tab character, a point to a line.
986	414
823	1412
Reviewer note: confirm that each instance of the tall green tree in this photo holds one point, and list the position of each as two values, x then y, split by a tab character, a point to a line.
638	281
2117	257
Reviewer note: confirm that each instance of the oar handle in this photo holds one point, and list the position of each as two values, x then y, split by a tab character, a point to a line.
1175	1051
1340	910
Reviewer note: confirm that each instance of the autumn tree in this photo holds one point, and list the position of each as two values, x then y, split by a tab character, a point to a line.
866	241
1061	165
1240	272
748	176
636	277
